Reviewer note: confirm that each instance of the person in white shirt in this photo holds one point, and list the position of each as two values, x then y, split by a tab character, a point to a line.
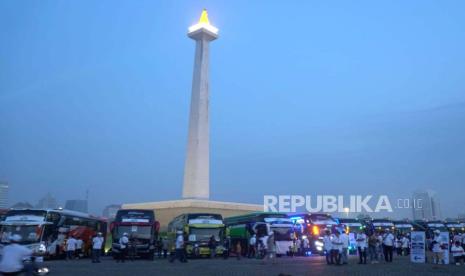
438	244
345	247
405	245
79	243
306	244
388	245
123	245
97	243
457	253
327	246
70	247
362	245
13	254
336	248
179	247
252	246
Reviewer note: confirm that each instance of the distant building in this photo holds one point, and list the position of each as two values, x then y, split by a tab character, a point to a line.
426	205
110	211
47	202
79	205
22	205
4	195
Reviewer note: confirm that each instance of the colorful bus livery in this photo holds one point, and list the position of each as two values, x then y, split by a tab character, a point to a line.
241	228
198	228
142	230
46	230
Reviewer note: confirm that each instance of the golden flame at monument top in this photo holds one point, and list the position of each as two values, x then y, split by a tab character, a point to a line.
203	23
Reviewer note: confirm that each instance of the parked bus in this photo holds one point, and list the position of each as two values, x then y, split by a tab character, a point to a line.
198	228
142	230
314	226
241	228
380	226
46	230
402	227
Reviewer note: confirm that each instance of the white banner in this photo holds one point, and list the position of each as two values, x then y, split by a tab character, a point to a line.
418	247
445	238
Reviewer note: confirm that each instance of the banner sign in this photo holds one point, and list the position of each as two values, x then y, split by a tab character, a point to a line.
417	247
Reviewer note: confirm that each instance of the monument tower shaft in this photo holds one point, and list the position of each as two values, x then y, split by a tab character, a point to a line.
197	165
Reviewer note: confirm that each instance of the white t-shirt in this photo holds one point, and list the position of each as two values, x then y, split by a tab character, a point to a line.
252	241
405	242
345	240
123	242
437	245
79	244
327	243
337	243
179	242
361	240
388	239
457	251
97	243
71	244
12	259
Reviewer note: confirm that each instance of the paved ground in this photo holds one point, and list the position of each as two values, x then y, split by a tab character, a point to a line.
284	266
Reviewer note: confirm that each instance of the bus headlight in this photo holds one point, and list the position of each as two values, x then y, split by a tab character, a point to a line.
318	243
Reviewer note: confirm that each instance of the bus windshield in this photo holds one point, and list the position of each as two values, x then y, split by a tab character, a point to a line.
322	219
203	234
134	231
282	233
29	233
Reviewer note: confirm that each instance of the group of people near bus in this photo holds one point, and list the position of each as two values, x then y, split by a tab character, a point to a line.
75	247
376	246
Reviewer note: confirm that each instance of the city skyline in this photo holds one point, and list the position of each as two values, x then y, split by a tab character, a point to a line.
337	106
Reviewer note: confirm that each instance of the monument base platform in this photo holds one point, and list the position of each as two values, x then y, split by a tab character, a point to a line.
165	211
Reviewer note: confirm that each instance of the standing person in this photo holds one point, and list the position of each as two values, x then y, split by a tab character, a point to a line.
388	245
306	244
97	243
405	245
336	248
380	248
212	246
179	248
238	250
252	244
298	245
345	247
373	248
123	244
165	247
438	245
457	253
271	249
70	247
79	252
457	237
327	246
398	245
13	255
226	246
362	247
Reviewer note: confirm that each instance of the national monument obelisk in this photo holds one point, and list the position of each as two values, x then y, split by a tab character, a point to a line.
197	165
196	189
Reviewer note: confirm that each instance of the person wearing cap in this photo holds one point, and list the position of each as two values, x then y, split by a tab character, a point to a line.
97	243
179	248
438	244
13	254
388	245
123	244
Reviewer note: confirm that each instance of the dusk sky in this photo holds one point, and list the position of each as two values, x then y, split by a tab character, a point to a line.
307	98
